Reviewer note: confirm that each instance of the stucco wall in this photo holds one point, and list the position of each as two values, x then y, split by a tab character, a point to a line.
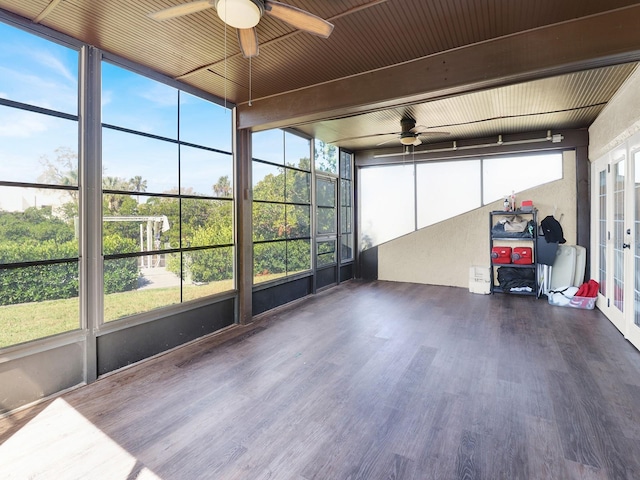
618	121
441	254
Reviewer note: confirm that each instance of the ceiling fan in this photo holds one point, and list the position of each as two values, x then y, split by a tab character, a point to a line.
244	15
410	134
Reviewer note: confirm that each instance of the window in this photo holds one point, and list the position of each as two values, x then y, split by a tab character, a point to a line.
39	260
387	204
392	204
325	157
446	189
503	175
167	195
346	206
281	205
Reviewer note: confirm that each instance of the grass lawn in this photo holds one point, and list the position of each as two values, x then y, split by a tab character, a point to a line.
29	321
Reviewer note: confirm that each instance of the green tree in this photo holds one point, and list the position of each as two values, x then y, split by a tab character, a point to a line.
326	157
61	171
222	188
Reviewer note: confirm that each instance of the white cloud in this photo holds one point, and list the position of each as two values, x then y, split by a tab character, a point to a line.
161	95
20	124
54	64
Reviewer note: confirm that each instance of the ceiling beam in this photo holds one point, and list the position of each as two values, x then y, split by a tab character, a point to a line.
600	40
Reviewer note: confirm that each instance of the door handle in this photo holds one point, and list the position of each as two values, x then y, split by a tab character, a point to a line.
626	245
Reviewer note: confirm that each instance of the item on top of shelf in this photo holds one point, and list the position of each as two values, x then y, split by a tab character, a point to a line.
526	206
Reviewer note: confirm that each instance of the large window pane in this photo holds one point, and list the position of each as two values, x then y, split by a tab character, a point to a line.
298	189
126	156
37	72
297	151
138	103
387	204
129	291
39	266
130	227
38	301
447	189
282	205
502	175
206	222
298	256
269	221
298	221
150	187
268	145
204	172
207	272
269	261
37	224
37	148
268	182
204	123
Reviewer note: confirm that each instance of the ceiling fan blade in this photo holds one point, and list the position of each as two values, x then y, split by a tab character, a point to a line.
387	141
433	134
248	40
180	10
300	19
417	142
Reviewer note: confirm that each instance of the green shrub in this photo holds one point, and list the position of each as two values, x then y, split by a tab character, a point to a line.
120	275
52	282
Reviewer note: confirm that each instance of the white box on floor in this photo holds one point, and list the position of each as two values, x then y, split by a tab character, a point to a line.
480	280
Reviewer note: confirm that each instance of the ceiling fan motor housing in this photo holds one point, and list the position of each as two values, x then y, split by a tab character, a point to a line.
407	125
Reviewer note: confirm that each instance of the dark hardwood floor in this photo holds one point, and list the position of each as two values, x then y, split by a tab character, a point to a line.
363	381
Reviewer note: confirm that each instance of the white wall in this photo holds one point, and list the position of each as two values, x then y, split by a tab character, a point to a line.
619	119
441	254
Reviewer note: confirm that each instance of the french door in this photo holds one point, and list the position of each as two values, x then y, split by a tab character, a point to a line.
615	237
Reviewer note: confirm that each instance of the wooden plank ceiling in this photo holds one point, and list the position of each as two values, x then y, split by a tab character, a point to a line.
370	36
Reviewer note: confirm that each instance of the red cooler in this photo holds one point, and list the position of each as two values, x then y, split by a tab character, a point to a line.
501	254
522	256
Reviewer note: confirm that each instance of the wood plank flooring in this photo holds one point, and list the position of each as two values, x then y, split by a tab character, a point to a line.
363	381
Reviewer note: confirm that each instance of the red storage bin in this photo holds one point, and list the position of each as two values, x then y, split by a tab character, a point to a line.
501	254
522	255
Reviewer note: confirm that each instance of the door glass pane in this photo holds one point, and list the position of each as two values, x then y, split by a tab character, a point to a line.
636	224
326	201
618	234
326	252
602	229
326	157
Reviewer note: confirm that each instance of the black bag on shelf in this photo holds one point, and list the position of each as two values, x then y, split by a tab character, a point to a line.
516	278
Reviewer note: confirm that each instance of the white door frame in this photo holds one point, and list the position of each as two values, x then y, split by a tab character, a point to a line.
624	320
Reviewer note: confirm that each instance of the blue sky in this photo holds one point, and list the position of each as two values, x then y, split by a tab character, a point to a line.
42	73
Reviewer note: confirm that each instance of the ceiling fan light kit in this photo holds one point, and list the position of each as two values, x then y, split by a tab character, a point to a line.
245	16
240	13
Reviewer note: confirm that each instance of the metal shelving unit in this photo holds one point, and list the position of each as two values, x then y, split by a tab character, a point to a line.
528	238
